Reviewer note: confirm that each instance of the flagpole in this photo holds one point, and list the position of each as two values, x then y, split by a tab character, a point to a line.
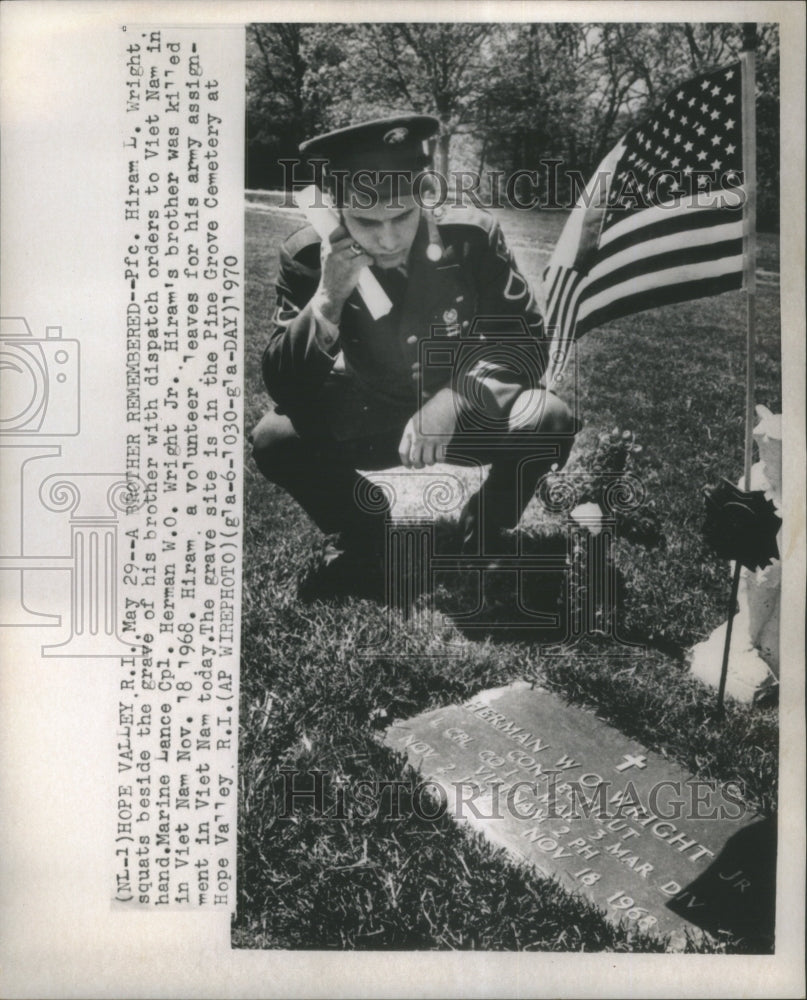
749	118
749	121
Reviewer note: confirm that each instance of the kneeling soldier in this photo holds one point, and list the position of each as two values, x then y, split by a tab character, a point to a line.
356	392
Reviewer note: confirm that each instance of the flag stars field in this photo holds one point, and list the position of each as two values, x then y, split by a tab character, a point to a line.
659	242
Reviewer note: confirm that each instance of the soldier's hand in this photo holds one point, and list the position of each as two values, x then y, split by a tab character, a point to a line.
428	433
342	263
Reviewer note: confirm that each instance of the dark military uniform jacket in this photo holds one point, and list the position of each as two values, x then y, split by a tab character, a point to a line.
469	320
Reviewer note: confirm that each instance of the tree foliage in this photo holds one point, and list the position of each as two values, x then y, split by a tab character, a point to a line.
509	96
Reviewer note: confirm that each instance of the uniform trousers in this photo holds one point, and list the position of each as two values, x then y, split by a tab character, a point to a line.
321	472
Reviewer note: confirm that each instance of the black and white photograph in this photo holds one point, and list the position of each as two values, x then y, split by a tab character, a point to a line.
510	658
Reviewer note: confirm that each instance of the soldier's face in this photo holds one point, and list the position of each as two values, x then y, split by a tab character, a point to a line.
385	231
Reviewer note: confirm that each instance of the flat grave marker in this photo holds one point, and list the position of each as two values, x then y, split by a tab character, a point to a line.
636	833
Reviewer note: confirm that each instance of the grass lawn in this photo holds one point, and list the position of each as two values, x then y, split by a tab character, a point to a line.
312	700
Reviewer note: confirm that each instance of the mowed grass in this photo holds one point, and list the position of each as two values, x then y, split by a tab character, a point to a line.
314	697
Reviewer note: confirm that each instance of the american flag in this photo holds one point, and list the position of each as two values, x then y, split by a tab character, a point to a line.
660	221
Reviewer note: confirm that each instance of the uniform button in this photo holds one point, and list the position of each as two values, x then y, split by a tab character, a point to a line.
412	340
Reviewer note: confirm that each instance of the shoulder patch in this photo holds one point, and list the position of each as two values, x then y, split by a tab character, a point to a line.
303	247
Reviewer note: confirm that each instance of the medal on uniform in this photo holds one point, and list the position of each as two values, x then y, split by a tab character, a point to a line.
434	251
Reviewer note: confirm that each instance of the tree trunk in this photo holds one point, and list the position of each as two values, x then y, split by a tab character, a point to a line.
441	164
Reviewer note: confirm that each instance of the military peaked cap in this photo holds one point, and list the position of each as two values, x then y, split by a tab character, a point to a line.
396	143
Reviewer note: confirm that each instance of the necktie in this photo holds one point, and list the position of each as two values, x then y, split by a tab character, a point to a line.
393	281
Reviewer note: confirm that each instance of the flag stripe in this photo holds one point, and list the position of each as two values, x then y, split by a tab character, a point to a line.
692	208
563	325
551	293
679	219
660	263
660	296
682	274
571	280
621	281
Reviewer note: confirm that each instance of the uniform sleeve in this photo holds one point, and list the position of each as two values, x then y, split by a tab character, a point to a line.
294	364
509	316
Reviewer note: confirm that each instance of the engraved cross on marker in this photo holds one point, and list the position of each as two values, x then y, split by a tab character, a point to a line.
631	761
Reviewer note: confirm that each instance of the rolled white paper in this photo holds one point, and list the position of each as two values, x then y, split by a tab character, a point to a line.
324	219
